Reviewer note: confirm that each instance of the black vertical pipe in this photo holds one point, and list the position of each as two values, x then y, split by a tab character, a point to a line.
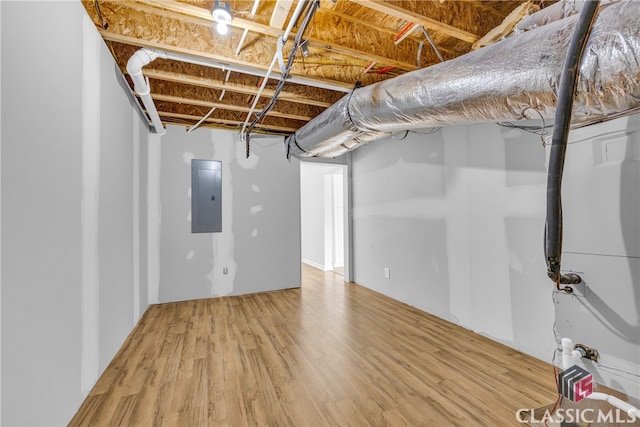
566	92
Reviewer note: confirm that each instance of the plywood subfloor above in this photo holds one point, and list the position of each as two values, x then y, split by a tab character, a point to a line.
348	41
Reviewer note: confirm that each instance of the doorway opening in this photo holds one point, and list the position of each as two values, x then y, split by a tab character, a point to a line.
324	213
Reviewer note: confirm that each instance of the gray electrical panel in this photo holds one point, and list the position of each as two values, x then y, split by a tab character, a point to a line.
206	196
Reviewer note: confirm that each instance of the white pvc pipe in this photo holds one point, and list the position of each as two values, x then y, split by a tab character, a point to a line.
254	9
618	403
241	42
244	33
141	85
567	357
206	116
145	56
294	19
257	96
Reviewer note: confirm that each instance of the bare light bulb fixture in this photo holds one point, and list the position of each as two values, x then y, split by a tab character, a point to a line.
222	15
222	28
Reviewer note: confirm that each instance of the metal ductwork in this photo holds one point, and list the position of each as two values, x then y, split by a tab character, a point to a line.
501	82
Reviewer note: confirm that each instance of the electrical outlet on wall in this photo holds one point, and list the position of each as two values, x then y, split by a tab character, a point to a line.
387	273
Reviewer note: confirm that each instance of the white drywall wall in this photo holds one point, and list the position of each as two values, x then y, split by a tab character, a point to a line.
117	138
260	240
601	206
458	217
90	210
141	137
0	216
41	192
67	211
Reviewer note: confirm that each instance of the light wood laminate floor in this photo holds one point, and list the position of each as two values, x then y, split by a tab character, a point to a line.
330	353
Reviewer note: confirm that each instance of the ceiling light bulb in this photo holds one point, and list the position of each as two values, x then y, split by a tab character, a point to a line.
222	28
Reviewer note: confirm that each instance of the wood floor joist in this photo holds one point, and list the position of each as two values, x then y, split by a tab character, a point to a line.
119	38
223	106
233	87
196	15
428	23
234	124
349	43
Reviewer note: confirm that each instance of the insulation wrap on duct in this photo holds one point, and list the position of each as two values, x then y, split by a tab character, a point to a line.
331	131
500	82
555	12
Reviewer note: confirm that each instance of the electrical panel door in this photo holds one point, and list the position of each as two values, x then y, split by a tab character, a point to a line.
206	196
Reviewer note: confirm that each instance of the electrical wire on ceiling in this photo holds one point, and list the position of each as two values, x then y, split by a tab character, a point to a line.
429	132
104	25
406	132
433	46
96	5
416	132
206	116
298	42
542	131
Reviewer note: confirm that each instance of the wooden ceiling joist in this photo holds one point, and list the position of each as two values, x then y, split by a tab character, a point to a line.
239	88
432	24
234	123
133	41
372	25
201	16
507	25
222	106
348	41
280	13
485	8
198	112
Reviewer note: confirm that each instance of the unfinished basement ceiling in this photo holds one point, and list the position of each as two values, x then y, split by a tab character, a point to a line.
349	41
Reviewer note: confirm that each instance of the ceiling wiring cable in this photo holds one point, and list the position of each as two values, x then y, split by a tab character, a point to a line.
406	132
429	132
537	130
541	131
285	73
104	25
206	116
262	114
96	5
433	45
553	359
558	399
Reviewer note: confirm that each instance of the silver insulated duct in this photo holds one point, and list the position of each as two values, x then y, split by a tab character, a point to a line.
500	82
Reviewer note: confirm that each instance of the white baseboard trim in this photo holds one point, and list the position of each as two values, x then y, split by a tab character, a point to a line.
316	265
